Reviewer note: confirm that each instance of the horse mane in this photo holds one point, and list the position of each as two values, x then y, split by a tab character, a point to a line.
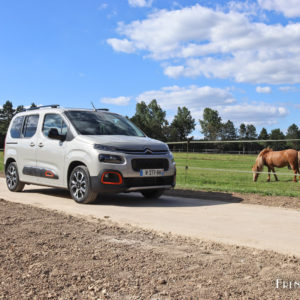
264	151
259	163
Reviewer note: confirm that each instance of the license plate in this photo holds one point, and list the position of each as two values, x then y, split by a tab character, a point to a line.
151	172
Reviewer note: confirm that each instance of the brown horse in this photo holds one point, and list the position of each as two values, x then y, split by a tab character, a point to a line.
268	157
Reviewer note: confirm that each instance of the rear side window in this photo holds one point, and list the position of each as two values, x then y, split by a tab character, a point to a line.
16	127
54	121
30	126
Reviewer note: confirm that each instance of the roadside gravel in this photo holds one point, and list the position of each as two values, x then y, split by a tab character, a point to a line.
50	255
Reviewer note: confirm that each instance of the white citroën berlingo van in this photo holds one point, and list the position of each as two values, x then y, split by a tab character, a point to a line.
86	151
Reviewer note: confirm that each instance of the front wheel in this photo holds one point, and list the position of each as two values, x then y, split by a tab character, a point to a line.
155	194
80	185
12	178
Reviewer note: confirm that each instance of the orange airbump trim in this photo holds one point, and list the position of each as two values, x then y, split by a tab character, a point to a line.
49	174
107	182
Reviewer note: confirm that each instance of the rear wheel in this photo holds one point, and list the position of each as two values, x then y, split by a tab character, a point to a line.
155	194
12	178
80	185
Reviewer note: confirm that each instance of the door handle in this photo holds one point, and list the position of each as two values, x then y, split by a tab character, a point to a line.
32	144
41	145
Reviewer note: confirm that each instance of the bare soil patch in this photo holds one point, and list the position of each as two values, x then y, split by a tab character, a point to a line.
49	255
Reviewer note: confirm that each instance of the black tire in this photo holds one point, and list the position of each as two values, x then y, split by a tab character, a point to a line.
12	178
152	194
80	185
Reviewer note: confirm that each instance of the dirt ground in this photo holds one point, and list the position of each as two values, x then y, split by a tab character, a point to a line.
49	255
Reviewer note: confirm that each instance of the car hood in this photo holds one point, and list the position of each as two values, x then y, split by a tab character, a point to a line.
132	143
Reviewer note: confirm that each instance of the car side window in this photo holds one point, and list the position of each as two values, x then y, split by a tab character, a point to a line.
16	127
30	126
54	121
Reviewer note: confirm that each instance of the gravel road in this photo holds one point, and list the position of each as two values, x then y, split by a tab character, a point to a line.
50	255
267	228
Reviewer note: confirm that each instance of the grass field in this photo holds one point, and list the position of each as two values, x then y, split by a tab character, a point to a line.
226	181
230	181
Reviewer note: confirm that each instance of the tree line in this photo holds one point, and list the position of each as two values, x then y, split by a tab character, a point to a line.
214	129
151	118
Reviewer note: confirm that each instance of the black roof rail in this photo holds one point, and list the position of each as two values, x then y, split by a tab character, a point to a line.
104	109
38	107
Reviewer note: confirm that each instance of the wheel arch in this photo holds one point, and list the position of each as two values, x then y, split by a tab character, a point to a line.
72	166
7	162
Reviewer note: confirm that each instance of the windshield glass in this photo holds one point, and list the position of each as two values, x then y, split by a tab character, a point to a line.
101	123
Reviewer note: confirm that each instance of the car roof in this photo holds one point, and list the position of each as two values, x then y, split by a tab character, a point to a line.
57	108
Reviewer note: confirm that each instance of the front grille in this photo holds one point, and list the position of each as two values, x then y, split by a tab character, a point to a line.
149	181
149	163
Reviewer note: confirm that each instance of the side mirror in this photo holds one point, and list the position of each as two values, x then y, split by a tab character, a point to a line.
53	134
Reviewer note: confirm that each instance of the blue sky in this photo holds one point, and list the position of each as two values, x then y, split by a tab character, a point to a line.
239	57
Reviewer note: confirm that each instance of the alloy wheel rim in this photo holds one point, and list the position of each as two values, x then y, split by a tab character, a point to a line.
11	177
78	185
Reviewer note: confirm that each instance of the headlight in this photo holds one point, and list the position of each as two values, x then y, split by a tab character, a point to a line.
105	148
172	157
113	159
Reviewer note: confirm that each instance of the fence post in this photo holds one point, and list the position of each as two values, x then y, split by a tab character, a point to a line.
186	160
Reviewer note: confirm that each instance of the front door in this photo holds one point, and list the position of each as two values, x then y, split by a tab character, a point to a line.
50	152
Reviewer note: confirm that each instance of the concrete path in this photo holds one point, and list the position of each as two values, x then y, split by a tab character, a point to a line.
256	226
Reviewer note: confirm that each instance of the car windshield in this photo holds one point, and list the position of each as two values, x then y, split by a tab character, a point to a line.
102	123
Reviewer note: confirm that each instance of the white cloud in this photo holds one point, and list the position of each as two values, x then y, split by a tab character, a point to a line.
263	89
122	45
244	67
214	43
197	98
123	101
257	113
248	7
290	8
140	3
102	6
174	71
194	97
287	88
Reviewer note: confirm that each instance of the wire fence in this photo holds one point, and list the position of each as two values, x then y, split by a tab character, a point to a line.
227	166
187	148
233	146
230	170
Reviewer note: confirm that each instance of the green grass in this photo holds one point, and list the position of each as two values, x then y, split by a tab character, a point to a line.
214	180
1	161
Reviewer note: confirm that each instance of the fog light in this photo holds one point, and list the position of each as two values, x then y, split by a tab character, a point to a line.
111	178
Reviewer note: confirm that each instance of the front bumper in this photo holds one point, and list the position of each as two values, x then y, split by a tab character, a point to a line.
130	184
